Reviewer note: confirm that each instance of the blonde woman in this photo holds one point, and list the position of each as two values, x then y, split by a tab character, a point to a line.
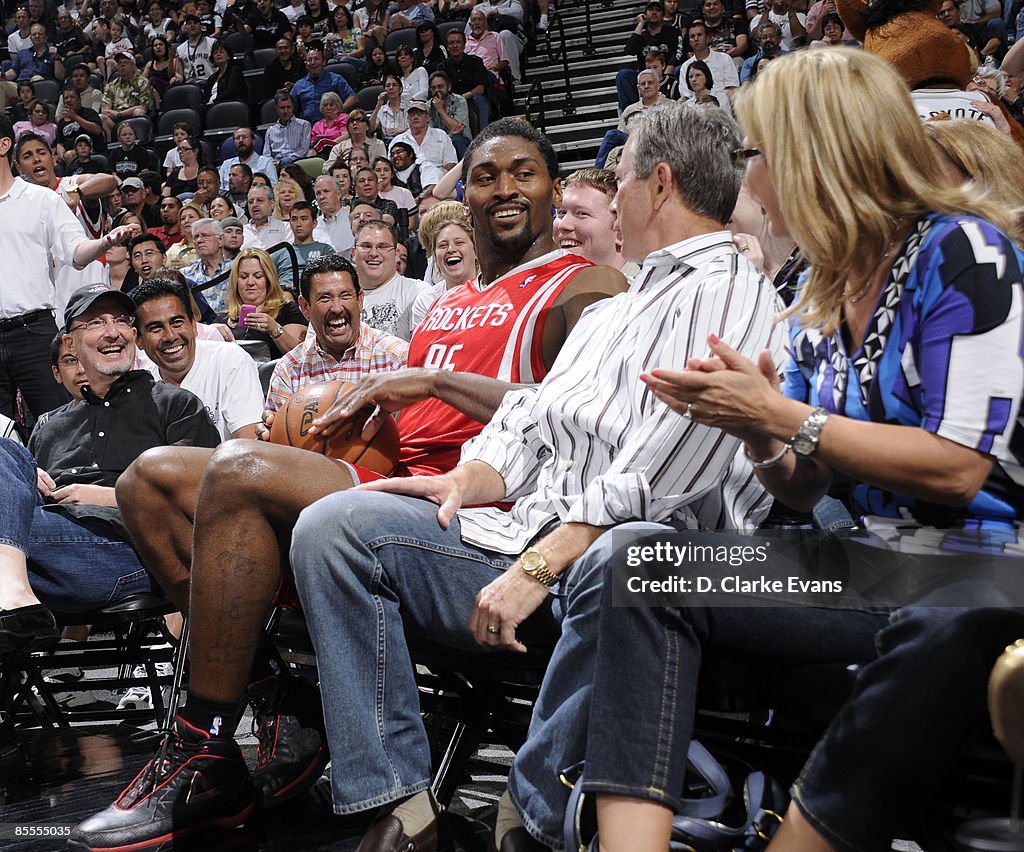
184	254
258	309
446	233
906	378
970	151
286	193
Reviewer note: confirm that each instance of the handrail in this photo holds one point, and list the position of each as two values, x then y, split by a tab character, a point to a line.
561	54
541	122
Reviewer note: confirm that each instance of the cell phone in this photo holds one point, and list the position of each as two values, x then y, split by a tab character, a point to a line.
243	314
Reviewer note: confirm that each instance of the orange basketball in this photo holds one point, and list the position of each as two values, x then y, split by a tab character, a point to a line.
293	419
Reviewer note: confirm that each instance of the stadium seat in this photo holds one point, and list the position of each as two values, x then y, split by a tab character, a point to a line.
405	35
170	117
48	90
268	113
227	117
143	129
183	95
312	166
239	43
348	71
368	97
448	26
263	56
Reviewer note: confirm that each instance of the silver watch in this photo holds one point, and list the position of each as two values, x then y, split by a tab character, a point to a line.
805	441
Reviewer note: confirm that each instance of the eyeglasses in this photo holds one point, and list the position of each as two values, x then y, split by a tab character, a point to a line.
68	361
183	148
383	248
741	155
121	323
203	236
144	253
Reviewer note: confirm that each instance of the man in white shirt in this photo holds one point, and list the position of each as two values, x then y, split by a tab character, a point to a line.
387	296
244	140
221	374
429	144
263	230
722	66
195	51
333	227
39	237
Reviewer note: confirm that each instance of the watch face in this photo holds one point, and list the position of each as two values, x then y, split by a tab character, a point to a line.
803	445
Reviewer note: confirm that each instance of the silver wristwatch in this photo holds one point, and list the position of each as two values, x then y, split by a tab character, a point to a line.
805	441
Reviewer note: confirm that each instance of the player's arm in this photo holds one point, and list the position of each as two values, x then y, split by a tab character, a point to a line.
588	286
96	186
474	395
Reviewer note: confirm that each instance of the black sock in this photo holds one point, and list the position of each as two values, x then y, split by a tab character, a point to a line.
216	718
266	661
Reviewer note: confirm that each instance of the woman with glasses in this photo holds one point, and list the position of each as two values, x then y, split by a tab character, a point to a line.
183	254
913	295
184	178
345	42
258	309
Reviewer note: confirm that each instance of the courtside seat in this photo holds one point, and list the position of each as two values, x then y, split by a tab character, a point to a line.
126	634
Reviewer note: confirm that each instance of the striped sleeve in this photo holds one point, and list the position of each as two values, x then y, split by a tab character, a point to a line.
511	443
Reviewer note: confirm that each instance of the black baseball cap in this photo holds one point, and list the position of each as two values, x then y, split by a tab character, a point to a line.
82	299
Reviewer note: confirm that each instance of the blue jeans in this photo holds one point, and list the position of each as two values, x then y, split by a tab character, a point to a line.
483	110
625	88
73	566
367	566
612	139
891	746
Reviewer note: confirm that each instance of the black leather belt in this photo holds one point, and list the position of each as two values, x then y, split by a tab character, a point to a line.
25	319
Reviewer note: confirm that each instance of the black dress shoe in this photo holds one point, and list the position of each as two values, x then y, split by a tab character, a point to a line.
27	628
520	840
388	835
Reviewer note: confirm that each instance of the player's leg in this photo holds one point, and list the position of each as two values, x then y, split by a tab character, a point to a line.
157	496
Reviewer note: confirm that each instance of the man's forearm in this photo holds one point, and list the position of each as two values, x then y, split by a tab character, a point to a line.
564	545
89	250
474	395
478	483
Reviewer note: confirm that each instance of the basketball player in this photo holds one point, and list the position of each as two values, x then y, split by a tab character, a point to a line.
476	343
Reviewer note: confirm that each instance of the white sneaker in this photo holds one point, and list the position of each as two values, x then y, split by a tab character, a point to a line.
67	676
139	697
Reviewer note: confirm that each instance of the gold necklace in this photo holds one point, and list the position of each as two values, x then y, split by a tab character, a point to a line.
862	291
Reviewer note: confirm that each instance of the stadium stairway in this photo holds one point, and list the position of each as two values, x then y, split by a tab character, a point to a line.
576	121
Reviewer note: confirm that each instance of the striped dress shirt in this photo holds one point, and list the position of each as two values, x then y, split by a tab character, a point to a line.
307	364
288	142
592	444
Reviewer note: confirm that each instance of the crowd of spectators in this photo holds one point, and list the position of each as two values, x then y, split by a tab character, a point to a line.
708	50
328	241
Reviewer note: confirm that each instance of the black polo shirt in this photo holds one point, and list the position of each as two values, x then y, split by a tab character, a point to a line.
467	74
93	442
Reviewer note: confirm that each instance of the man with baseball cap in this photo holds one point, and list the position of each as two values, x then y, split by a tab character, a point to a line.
129	96
429	143
65	545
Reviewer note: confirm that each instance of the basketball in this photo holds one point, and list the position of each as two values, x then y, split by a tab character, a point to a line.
293	419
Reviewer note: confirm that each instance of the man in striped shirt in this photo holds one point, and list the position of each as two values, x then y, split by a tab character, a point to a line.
500	331
341	348
587	449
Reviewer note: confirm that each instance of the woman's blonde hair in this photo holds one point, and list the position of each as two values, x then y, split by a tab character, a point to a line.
987	158
439	217
850	162
276	297
284	180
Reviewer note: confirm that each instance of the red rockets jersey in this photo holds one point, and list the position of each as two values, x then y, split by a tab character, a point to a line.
495	331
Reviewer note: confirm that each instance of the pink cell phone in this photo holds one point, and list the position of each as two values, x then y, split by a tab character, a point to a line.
243	314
